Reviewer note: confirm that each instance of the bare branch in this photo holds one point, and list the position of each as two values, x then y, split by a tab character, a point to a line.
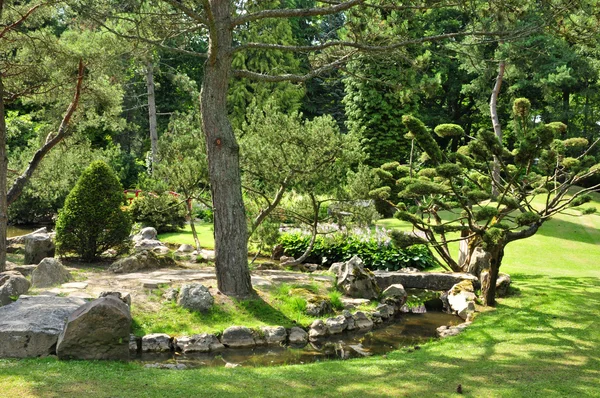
188	11
297	12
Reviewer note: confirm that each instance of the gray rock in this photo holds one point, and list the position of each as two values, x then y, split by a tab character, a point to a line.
298	336
480	261
169	366
26	270
185	248
50	272
199	343
317	329
135	343
362	321
285	259
385	310
355	281
171	294
336	325
141	261
238	337
349	320
396	291
195	297
418	309
422	280
274	335
156	342
502	285
335	268
148	233
11	286
376	317
206	255
30	326
97	330
123	296
319	308
447	331
37	247
461	299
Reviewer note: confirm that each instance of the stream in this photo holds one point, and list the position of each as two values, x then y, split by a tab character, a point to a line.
405	330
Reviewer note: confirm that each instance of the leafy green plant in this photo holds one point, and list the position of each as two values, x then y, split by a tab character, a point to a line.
375	255
335	298
163	212
92	220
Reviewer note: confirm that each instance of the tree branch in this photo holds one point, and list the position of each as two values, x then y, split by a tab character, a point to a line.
16	24
51	141
187	11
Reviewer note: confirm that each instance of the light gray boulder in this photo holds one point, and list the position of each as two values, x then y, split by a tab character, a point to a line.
335	268
502	285
185	248
146	240
30	326
50	272
195	297
274	335
37	247
396	291
319	307
199	343
12	284
336	324
354	281
98	329
157	342
461	299
423	280
144	260
238	337
480	261
385	310
349	320
447	331
317	329
123	296
298	336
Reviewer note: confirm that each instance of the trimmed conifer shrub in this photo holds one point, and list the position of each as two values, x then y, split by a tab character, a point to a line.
92	220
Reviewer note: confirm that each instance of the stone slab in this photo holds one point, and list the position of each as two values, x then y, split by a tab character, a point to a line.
74	285
30	326
423	280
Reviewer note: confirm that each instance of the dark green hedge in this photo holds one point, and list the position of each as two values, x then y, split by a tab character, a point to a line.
339	248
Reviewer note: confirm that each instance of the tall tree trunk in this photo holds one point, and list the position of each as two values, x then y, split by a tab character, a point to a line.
496	125
231	263
488	283
3	179
152	114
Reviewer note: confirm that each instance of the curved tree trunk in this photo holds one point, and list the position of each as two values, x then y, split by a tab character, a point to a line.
152	115
3	180
488	283
231	263
497	126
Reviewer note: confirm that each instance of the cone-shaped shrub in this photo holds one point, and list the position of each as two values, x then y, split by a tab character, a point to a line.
91	220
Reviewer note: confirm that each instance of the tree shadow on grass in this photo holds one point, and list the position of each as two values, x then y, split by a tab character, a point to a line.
571	230
542	344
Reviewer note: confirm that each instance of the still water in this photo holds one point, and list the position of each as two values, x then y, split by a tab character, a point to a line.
406	330
19	230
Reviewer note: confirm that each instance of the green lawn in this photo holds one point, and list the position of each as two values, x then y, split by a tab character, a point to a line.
205	235
543	341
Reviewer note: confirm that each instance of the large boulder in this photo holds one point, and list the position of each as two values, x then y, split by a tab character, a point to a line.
26	270
397	293
97	330
274	335
362	321
157	342
354	281
238	337
12	284
144	260
199	343
37	247
423	280
480	261
30	326
195	297
298	336
502	285
50	272
336	324
461	299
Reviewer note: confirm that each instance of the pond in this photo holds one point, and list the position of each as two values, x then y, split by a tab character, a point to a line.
17	230
406	330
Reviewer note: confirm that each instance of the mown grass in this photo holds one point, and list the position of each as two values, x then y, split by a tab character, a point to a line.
542	341
205	235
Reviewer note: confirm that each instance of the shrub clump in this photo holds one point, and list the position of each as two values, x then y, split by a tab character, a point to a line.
163	212
341	248
92	220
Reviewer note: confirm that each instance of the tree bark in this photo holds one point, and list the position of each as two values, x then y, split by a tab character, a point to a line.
3	179
152	114
488	285
188	205
496	125
230	230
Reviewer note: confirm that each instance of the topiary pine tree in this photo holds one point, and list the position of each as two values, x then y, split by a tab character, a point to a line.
91	220
452	201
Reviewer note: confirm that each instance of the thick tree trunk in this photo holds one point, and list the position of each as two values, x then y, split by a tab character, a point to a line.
152	114
497	126
3	180
233	275
488	284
